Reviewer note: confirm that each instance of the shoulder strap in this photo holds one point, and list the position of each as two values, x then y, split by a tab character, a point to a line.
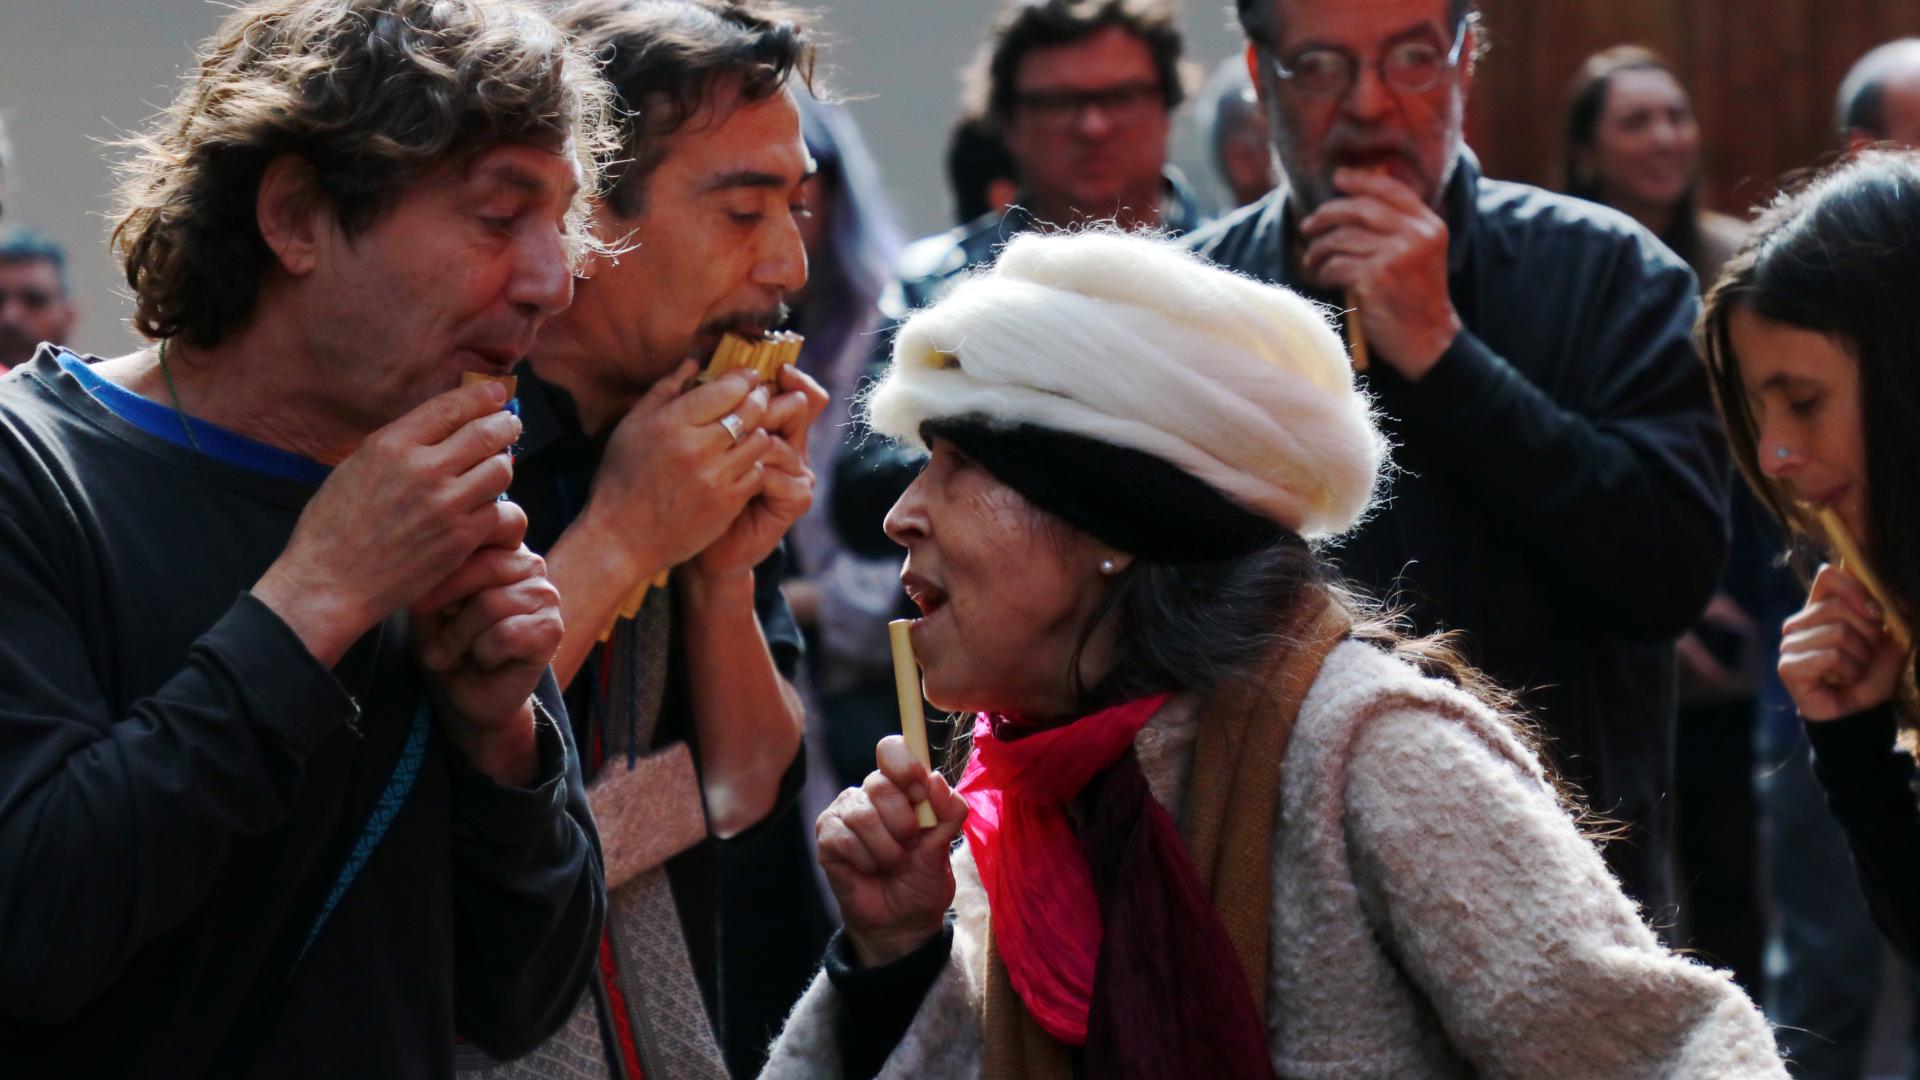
242	1052
1234	795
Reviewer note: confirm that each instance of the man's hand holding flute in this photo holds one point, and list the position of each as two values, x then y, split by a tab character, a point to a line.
413	519
673	480
1388	251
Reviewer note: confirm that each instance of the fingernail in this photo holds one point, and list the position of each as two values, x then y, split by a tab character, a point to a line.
496	391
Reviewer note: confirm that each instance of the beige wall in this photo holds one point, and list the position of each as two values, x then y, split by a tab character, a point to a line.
76	72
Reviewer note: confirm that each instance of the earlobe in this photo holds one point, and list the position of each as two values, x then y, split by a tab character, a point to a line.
289	212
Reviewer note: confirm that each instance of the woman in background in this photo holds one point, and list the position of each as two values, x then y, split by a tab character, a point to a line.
1633	143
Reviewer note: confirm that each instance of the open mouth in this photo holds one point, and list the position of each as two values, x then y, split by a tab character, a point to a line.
926	596
488	360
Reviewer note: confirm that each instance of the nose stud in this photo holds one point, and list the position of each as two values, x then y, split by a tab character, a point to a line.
1780	452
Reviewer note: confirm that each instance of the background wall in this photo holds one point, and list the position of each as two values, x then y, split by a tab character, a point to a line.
75	73
1763	74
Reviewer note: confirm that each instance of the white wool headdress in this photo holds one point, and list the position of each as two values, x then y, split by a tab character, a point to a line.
1139	343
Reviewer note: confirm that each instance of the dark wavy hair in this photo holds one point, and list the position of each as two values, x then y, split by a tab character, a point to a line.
666	59
1192	627
1835	255
976	157
371	94
1025	25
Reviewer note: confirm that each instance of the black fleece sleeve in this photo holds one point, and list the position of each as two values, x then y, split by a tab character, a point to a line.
114	828
877	1005
1869	784
529	893
1613	486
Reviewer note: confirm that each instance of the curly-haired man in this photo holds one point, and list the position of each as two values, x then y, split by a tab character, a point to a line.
281	783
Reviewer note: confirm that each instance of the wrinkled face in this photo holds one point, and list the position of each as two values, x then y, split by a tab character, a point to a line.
458	274
715	245
1005	590
1804	389
33	309
1646	146
1088	131
1413	137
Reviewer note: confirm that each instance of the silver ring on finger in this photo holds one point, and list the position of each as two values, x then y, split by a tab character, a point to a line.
734	426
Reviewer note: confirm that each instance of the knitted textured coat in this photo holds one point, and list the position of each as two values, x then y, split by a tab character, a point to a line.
1435	914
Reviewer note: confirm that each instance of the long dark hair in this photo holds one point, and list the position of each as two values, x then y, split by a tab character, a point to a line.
1835	255
1191	627
1586	101
1195	626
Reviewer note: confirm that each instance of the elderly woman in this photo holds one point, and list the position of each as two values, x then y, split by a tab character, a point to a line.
1216	820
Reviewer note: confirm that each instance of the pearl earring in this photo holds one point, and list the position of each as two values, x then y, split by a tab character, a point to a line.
1108	568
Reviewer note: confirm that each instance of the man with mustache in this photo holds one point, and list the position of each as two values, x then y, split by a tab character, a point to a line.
1562	493
688	724
1082	93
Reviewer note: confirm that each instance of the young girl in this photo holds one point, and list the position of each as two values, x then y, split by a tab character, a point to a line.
1812	336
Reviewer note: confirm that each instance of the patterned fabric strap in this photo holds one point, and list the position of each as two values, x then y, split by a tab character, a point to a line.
644	1018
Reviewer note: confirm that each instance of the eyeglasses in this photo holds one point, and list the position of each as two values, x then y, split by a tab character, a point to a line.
1063	110
1412	67
31	299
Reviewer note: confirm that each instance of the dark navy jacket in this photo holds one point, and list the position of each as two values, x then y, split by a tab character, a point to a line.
1562	488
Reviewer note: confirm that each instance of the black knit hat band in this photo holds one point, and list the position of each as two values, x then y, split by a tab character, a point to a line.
1127	498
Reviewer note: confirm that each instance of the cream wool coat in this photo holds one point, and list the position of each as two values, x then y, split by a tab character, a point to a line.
1435	914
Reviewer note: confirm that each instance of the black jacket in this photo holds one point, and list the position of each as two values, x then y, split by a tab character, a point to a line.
182	784
1562	486
1870	787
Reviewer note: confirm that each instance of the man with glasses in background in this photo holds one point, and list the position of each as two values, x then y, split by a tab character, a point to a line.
1082	92
1561	492
35	305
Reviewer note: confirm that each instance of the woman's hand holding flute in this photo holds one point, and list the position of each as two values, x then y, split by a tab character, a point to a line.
1837	656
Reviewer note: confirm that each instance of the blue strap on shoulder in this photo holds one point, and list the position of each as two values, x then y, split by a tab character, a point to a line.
385	809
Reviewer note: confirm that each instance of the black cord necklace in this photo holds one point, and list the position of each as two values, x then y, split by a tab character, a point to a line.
174	394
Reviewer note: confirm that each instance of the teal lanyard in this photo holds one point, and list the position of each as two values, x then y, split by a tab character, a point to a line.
399	785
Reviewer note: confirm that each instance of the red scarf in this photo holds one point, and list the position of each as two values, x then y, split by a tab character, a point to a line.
1046	914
